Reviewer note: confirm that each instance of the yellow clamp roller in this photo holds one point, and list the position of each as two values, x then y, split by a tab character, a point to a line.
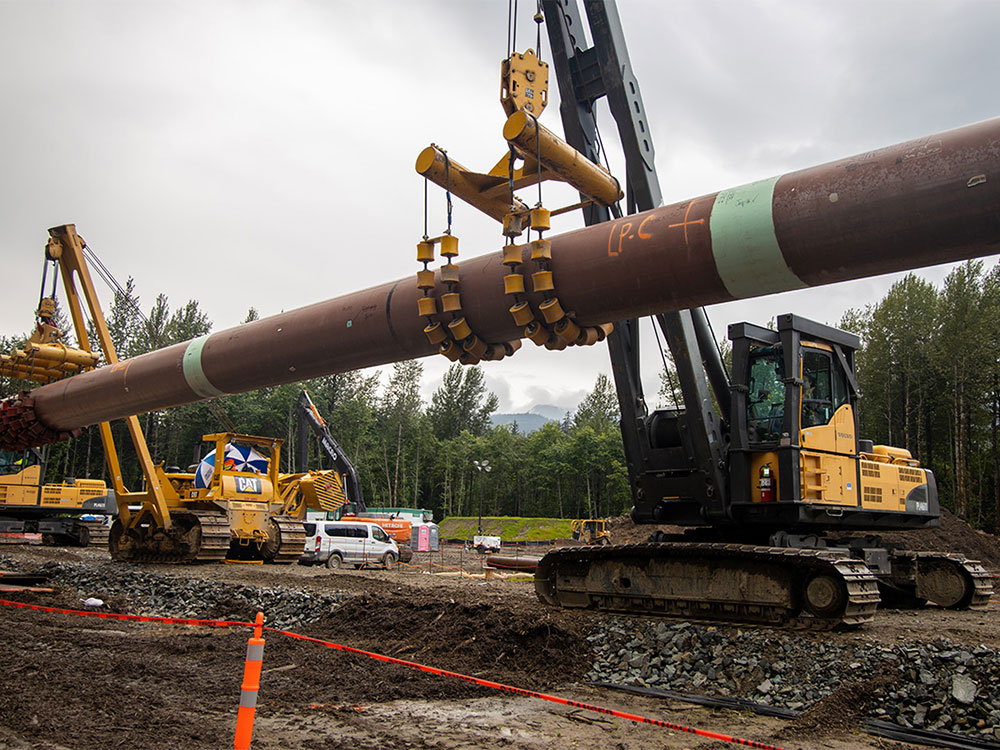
587	337
541	250
449	246
475	346
425	252
449	273
451	350
451	302
425	279
513	284
459	329
541	219
568	330
551	310
542	281
537	333
435	333
511	255
427	306
521	312
512	225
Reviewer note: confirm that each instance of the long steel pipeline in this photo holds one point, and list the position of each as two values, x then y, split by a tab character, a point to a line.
928	201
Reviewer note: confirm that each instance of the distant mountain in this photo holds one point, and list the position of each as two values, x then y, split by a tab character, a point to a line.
555	413
526	421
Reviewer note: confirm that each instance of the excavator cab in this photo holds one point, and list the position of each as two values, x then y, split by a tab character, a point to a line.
796	461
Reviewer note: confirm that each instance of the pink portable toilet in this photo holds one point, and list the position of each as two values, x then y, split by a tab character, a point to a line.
423	539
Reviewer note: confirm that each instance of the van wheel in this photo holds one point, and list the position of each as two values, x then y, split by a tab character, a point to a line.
334	562
389	560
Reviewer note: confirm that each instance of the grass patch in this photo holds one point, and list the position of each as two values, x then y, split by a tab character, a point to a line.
508	528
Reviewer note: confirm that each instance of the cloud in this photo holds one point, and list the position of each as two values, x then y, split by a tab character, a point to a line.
261	153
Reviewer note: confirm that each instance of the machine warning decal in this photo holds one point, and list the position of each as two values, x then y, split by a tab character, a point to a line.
248	484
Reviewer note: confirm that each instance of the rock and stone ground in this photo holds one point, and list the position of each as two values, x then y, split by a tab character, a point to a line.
72	682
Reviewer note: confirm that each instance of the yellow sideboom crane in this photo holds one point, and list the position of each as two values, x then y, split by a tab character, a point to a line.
237	514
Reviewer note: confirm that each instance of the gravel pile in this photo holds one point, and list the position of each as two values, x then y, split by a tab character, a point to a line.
932	686
150	593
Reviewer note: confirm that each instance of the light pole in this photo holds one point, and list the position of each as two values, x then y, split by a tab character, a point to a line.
481	466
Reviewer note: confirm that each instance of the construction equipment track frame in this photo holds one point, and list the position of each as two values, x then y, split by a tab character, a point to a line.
779	586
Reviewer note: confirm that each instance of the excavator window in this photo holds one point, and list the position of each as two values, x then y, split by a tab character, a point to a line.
817	389
766	395
12	462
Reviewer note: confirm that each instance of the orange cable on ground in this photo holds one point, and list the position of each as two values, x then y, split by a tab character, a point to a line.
259	628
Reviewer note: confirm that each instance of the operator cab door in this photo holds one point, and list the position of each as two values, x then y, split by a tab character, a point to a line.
826	417
828	457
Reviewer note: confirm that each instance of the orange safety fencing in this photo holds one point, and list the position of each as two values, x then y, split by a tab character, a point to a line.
463	571
256	644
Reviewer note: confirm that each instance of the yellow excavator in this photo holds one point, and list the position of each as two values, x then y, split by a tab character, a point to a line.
71	512
782	498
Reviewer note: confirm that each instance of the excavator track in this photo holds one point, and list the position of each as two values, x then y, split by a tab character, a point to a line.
290	538
946	579
780	586
196	536
96	535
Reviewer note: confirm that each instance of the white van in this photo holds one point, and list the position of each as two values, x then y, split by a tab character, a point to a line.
342	543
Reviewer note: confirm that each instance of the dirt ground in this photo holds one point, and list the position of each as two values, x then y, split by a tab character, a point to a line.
71	682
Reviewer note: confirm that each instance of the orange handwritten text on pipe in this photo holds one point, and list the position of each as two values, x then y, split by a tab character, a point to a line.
644	235
623	230
686	223
621	233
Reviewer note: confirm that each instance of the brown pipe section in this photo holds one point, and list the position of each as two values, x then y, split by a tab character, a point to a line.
920	203
526	564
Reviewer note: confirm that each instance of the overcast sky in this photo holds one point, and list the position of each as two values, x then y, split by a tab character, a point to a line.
260	153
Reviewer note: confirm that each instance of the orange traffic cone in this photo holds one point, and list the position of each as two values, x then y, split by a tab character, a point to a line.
251	684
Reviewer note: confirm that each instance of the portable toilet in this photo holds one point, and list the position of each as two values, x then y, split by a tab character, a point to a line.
424	539
434	533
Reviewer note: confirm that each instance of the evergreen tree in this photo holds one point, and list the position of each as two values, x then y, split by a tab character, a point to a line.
599	409
461	403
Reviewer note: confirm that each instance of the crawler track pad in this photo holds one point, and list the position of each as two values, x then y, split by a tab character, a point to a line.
720	582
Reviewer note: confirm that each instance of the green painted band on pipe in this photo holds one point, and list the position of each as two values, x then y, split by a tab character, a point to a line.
746	251
194	374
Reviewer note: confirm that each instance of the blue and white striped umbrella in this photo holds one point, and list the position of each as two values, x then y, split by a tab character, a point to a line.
238	458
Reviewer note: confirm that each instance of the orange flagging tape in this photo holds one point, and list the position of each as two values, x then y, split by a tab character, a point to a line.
529	693
412	665
131	618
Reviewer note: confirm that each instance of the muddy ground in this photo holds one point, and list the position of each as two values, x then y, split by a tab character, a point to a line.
73	682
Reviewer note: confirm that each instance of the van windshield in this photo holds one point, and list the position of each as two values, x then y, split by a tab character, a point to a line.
379	534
